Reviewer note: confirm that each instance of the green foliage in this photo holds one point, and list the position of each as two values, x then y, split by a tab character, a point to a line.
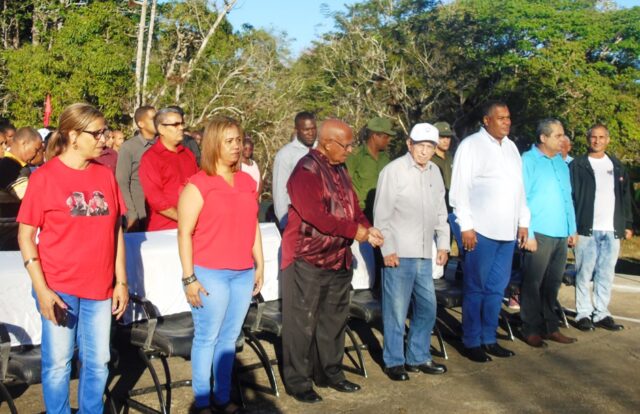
415	60
89	60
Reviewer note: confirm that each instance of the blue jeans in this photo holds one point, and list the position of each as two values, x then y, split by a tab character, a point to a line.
487	270
596	256
87	325
411	282
217	326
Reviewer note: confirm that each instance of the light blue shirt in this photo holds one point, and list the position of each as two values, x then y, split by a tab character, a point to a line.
548	189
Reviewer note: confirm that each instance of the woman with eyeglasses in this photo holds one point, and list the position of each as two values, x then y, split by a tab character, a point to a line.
221	253
77	266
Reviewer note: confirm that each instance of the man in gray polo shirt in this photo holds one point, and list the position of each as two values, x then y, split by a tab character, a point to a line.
127	167
410	210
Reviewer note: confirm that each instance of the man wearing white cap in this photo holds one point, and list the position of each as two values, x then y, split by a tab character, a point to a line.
409	210
488	199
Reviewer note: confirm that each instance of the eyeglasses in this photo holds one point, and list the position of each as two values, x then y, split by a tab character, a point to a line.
175	124
344	147
101	133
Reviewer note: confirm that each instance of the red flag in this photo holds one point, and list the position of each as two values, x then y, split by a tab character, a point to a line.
47	110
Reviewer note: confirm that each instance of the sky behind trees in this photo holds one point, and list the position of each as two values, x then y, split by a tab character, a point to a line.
303	20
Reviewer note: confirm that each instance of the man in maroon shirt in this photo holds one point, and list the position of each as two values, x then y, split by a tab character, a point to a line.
165	169
324	218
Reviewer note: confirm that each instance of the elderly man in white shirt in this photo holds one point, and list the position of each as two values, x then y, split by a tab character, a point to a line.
286	160
488	199
409	210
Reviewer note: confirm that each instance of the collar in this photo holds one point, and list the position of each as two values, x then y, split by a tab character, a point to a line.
411	163
299	143
160	147
145	142
539	154
491	138
8	154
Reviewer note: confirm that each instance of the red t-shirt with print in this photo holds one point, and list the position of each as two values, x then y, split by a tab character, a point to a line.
226	228
77	212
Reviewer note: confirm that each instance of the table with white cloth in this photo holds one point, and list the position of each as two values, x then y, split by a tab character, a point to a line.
153	272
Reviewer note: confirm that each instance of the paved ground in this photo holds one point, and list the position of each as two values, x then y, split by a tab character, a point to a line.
598	374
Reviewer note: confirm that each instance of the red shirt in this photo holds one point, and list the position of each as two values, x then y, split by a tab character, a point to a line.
77	212
163	174
323	215
109	158
226	228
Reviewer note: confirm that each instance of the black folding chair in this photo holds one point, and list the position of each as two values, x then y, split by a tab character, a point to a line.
21	366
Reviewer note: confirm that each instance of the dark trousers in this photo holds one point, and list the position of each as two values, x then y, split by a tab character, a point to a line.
315	306
541	280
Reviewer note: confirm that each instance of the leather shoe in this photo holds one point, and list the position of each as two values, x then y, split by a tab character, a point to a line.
609	324
343	386
397	373
559	337
497	350
308	396
535	341
429	367
477	354
585	324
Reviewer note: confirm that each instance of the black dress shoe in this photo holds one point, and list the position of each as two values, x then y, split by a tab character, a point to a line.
477	354
497	350
397	373
344	386
585	324
609	324
429	367
308	396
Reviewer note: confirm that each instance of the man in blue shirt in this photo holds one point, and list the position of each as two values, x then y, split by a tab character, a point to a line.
553	226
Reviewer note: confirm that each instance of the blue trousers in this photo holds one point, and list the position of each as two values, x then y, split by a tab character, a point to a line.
87	325
596	256
487	270
409	283
217	326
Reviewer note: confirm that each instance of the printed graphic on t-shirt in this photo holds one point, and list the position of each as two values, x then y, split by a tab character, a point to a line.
97	205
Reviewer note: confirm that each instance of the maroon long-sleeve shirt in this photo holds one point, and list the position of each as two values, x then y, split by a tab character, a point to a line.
323	215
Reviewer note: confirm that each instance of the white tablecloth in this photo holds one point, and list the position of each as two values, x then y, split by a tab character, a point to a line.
154	270
18	310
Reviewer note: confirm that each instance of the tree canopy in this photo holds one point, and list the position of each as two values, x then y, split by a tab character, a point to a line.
410	60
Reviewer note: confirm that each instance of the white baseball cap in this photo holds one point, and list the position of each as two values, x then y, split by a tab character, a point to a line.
424	132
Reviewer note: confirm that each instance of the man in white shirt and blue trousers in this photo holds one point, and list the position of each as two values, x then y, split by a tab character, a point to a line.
410	210
488	199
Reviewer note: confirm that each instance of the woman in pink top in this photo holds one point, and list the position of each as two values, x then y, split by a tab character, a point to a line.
249	165
221	254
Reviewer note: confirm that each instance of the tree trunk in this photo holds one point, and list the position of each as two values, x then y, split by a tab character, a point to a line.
152	20
186	75
140	49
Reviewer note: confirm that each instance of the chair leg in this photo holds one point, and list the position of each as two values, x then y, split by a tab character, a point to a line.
505	318
359	365
562	314
4	392
257	347
157	387
441	344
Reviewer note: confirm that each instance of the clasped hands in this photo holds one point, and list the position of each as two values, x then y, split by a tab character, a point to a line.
371	235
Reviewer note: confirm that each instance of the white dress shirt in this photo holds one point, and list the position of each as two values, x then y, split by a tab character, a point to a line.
487	191
283	165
